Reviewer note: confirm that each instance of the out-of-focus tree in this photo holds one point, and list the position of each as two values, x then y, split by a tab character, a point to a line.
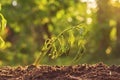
116	17
105	27
100	30
103	18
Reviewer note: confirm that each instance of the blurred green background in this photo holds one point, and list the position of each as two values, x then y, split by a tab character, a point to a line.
31	22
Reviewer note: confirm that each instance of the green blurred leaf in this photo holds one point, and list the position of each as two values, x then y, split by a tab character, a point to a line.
71	38
2	27
2	23
1	42
0	7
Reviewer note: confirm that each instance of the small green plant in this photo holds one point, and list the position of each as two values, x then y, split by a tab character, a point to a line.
2	27
61	44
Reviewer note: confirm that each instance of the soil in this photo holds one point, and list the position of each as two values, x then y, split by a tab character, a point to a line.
98	71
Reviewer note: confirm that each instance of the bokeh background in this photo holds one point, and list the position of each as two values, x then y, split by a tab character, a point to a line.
31	22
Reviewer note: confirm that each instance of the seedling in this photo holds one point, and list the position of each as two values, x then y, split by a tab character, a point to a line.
56	46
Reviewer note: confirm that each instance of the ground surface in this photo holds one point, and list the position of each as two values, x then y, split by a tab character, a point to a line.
77	72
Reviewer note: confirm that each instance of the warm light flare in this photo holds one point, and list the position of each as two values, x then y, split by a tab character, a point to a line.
108	50
115	3
91	3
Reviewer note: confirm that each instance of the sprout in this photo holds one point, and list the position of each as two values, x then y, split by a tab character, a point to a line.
60	44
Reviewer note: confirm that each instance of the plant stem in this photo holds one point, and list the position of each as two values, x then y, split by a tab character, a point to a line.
43	53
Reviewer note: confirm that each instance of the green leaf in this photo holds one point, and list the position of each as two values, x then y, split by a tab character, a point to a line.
3	22
71	38
1	42
2	27
0	7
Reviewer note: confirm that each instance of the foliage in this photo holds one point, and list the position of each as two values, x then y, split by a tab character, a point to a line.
2	27
56	46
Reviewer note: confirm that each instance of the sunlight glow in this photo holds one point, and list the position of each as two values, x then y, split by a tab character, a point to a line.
14	3
69	19
115	0
108	50
89	20
87	0
91	3
88	11
115	3
113	34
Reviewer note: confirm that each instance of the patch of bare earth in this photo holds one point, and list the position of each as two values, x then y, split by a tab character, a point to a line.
76	72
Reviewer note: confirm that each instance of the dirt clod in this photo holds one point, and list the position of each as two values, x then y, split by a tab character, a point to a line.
78	72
